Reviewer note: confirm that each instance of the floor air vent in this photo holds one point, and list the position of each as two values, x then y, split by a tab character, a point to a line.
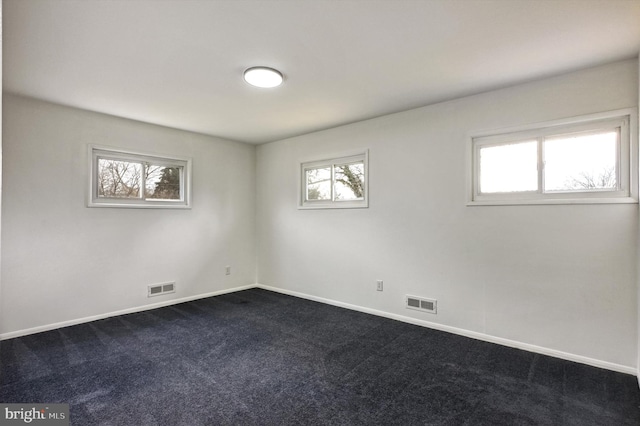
422	304
158	289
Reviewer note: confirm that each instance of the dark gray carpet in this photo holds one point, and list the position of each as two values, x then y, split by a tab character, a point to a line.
260	358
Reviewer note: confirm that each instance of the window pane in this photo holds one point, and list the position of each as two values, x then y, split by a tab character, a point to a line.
118	179
581	162
319	184
509	168
162	183
349	181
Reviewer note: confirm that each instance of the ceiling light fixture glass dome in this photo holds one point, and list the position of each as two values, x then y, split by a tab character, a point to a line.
263	77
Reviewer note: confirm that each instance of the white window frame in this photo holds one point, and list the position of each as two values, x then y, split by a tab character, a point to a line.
360	156
627	164
96	152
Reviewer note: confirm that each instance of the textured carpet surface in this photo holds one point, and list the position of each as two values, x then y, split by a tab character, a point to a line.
262	358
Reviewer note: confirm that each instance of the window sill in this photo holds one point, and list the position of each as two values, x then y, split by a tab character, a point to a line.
139	205
334	205
559	201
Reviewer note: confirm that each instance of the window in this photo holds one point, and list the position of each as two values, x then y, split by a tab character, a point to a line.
581	160
335	183
128	179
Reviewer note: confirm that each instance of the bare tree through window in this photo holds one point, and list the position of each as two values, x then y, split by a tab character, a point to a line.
136	180
118	179
122	179
319	184
606	179
335	183
349	181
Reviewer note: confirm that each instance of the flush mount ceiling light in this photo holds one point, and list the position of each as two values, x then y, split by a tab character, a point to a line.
263	77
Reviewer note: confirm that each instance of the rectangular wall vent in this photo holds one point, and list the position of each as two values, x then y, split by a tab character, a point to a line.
422	304
158	289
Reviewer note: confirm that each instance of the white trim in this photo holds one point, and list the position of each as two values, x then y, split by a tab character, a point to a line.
428	324
332	156
533	201
95	151
462	332
627	192
555	123
344	158
47	327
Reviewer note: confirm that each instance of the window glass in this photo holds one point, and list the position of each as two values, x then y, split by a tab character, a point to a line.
588	159
335	183
319	184
118	179
509	168
163	183
581	162
349	181
126	179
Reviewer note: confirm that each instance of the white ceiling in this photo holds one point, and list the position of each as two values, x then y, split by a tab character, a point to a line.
179	63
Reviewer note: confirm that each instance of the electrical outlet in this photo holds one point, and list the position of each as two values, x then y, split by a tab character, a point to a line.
379	285
227	270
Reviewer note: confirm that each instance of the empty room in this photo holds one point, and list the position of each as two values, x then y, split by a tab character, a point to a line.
316	212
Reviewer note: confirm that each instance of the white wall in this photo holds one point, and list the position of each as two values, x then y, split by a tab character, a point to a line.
561	277
1	32
62	261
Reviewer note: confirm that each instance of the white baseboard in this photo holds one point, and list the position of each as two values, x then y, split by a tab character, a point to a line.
467	333
454	330
142	308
